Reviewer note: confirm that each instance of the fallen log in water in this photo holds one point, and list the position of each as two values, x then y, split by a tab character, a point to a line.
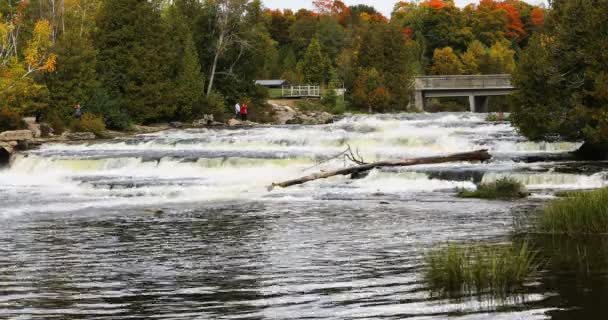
480	155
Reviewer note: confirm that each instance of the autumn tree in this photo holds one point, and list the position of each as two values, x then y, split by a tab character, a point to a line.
446	62
370	91
18	90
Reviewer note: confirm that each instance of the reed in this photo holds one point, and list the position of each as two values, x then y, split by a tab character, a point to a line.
583	213
504	188
484	269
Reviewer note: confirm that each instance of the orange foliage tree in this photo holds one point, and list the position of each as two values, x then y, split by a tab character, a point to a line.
537	17
435	4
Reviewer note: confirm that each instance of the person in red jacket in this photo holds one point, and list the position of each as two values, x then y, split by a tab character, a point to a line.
244	111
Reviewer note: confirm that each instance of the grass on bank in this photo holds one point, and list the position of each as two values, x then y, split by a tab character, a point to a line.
482	269
504	188
581	213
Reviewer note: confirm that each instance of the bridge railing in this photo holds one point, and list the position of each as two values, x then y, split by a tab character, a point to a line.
463	82
301	91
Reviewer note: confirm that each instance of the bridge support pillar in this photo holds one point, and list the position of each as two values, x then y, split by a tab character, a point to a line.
478	104
419	101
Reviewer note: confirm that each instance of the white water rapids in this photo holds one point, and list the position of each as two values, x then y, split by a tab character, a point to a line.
201	165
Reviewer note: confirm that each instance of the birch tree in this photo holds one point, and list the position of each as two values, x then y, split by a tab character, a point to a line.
229	33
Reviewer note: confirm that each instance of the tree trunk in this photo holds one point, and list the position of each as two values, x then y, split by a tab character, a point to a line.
218	50
480	155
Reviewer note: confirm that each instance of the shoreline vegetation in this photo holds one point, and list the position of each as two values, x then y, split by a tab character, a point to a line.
503	269
496	270
137	62
501	189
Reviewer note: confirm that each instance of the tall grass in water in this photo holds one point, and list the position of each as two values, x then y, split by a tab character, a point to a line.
582	214
486	269
504	188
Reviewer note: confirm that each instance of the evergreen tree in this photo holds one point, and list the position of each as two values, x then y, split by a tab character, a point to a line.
134	60
75	79
189	81
315	65
562	79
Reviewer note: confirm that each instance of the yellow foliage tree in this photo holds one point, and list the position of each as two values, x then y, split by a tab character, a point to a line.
446	62
17	87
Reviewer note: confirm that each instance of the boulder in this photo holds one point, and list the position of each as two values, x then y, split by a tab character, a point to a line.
17	135
234	122
176	124
283	114
289	115
206	120
78	136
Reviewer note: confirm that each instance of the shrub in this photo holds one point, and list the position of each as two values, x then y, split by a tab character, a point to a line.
56	122
330	98
89	123
582	213
212	104
494	269
102	104
10	120
504	188
496	117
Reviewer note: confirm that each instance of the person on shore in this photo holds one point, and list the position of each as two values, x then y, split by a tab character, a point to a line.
244	111
77	111
237	110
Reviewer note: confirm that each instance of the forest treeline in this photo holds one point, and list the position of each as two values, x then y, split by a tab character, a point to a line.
144	61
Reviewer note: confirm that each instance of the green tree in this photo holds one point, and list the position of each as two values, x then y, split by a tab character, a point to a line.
315	66
75	79
134	61
189	81
562	77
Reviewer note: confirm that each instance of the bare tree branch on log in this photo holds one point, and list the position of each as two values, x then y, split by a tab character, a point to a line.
480	155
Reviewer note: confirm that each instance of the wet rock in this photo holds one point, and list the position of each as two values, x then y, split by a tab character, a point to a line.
359	175
206	120
22	145
590	151
288	115
176	124
283	114
6	150
17	135
234	122
45	130
78	136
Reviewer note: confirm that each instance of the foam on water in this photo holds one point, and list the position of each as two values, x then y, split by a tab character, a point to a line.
197	165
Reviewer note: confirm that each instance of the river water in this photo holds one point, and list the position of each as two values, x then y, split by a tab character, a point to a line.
180	224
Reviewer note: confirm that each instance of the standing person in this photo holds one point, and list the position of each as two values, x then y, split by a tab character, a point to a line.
237	110
244	111
77	111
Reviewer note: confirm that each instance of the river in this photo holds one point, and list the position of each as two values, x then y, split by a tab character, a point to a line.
179	224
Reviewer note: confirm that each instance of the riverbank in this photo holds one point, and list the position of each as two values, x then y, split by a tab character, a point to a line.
284	112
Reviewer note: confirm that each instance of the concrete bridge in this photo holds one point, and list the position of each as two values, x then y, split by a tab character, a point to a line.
477	87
